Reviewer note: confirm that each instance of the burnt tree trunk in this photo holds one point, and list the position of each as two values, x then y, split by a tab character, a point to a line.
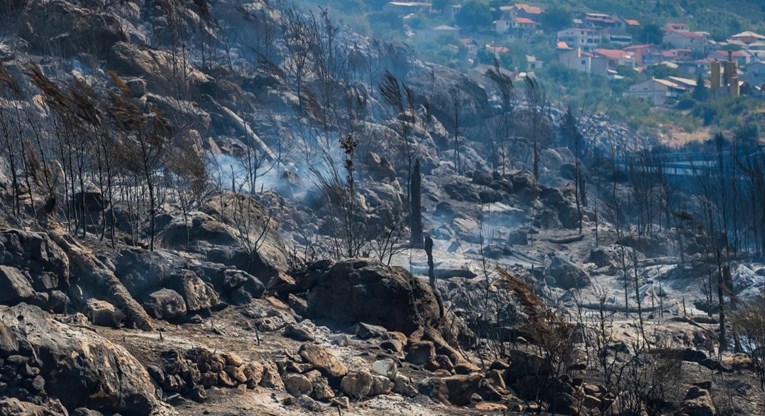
415	207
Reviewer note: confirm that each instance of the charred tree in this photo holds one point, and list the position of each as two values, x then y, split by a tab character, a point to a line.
415	207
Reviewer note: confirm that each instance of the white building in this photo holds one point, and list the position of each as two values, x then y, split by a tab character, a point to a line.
584	38
582	61
657	91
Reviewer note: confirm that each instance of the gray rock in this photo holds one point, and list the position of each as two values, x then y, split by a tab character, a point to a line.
14	286
323	360
297	384
355	291
103	375
199	296
357	384
103	313
567	275
165	304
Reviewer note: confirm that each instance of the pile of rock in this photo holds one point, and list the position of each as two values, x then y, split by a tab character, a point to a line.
34	270
190	373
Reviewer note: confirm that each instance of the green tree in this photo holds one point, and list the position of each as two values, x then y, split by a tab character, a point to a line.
555	18
474	15
700	90
651	34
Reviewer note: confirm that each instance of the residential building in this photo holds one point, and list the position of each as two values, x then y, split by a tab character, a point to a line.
676	27
677	55
616	36
755	74
533	63
695	41
583	38
601	20
579	60
521	10
616	57
756	50
741	57
694	68
645	55
656	91
631	23
747	37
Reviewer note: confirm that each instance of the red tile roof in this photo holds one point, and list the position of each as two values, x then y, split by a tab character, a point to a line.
611	54
525	20
528	8
631	22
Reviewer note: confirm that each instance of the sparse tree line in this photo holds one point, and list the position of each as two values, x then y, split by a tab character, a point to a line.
97	159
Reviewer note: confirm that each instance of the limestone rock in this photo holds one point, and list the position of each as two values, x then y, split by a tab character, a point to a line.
165	304
355	291
323	359
81	368
14	286
297	384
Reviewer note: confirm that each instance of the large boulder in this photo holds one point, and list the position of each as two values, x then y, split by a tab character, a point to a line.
233	230
165	304
69	29
199	296
14	286
567	275
353	291
79	367
37	254
143	271
323	359
698	402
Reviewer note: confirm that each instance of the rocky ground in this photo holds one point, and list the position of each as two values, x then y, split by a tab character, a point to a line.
246	306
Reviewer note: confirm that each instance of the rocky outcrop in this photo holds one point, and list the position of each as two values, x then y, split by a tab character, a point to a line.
77	367
233	230
14	286
353	291
154	66
698	402
69	29
93	275
566	275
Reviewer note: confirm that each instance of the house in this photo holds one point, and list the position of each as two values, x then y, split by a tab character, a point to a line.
602	20
404	8
520	21
656	91
676	27
616	57
645	54
525	10
695	41
579	60
534	63
741	57
677	55
616	36
756	50
747	37
694	68
583	38
631	23
517	28
755	73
